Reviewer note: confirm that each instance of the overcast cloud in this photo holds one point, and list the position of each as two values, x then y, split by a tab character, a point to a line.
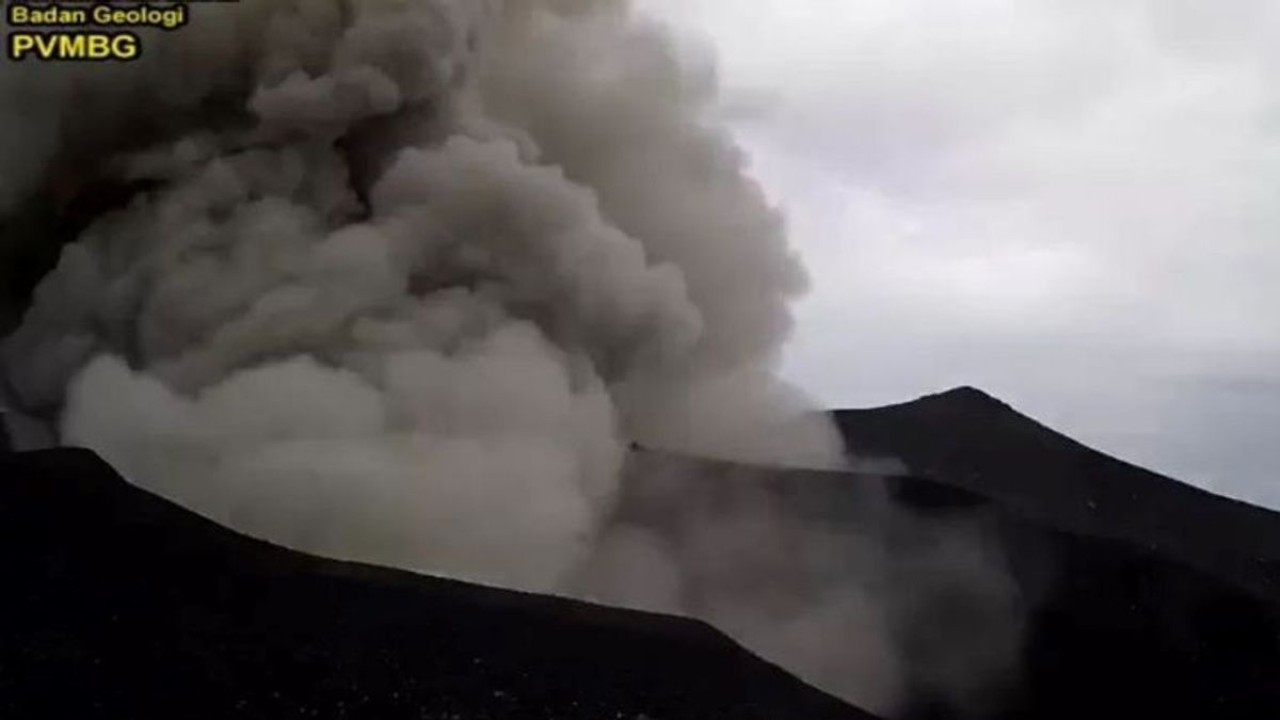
1072	204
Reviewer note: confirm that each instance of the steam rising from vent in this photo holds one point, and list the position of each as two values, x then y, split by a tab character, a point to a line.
402	280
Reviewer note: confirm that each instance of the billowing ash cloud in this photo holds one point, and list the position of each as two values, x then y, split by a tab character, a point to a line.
400	281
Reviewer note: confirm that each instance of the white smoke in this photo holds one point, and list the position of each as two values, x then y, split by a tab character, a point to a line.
403	279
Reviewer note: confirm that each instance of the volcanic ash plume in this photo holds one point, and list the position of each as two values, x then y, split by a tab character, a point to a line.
400	280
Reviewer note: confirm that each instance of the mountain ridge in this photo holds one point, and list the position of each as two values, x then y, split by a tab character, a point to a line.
1142	610
124	605
969	439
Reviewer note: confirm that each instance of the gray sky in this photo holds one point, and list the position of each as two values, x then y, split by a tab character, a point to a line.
1072	204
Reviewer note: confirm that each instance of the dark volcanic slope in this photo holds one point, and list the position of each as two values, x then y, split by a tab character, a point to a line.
967	439
1146	597
1108	626
116	604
